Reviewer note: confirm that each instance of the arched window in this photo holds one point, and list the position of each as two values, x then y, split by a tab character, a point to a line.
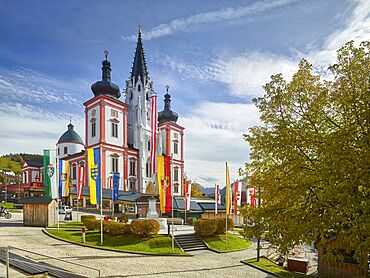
139	87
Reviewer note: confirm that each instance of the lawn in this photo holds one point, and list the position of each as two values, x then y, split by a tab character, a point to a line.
10	207
218	243
270	266
159	245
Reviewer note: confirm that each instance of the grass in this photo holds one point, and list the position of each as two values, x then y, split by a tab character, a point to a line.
10	207
270	266
7	164
218	243
240	231
159	245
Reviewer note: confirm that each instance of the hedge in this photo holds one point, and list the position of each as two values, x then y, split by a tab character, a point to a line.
87	217
92	224
221	225
144	227
190	220
205	228
123	218
117	228
210	227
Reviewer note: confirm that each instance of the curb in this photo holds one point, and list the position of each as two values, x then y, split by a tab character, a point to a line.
262	269
111	249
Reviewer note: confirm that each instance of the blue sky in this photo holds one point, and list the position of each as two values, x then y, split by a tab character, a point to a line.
214	55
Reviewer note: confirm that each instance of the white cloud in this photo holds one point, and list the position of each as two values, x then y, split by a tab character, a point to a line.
356	28
225	14
26	128
31	86
214	135
246	74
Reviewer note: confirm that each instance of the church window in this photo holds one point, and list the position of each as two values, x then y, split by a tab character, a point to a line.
58	151
65	150
176	174
175	188
148	145
93	129
25	177
114	165
114	130
147	96
139	87
131	96
114	113
176	147
132	168
74	172
132	186
148	170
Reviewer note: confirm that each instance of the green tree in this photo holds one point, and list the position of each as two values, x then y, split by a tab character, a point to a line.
311	157
256	225
196	190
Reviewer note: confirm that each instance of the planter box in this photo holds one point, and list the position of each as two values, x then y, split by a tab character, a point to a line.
298	264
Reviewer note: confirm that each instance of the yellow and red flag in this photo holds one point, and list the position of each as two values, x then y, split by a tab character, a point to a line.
161	182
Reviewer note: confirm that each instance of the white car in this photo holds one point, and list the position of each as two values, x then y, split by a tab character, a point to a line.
65	209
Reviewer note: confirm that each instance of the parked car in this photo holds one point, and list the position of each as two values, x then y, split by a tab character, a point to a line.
65	209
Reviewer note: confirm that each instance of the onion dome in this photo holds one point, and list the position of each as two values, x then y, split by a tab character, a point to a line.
105	86
167	115
70	136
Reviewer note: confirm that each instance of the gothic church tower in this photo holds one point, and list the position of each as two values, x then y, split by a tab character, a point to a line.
139	90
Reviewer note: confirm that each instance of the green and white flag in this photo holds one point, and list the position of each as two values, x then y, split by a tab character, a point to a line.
50	174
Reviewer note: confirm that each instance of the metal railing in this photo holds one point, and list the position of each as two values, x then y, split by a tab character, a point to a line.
43	255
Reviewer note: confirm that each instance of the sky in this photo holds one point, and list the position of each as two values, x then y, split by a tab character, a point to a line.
214	55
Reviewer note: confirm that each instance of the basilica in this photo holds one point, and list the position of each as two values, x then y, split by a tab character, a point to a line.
123	127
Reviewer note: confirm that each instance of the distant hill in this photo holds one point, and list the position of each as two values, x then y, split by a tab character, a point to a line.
14	161
7	164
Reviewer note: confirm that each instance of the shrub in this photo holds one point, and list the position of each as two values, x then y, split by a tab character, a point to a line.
112	217
92	224
87	217
205	228
221	225
144	227
123	218
190	220
108	226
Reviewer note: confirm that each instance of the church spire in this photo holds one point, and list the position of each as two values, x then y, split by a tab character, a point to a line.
139	68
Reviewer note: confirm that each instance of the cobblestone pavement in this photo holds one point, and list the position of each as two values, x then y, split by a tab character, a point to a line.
114	264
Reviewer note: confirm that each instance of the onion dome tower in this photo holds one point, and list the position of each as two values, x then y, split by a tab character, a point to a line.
105	86
167	115
69	143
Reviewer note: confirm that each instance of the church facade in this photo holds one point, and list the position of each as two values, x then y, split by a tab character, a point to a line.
121	126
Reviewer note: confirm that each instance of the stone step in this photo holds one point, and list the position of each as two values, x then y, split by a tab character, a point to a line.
190	242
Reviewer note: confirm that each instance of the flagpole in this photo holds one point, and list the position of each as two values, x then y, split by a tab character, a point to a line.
101	201
227	204
56	178
171	184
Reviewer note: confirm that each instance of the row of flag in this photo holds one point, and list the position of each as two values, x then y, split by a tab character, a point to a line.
56	182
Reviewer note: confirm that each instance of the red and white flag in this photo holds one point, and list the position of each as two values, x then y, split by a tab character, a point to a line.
80	182
217	197
252	195
237	196
187	195
153	142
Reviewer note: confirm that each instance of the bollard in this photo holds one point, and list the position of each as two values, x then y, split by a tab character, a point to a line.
83	230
